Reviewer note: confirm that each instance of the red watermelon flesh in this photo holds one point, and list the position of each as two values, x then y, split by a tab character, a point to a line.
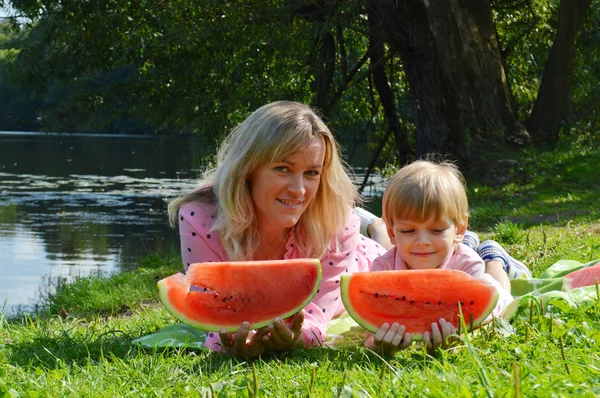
416	298
222	295
583	277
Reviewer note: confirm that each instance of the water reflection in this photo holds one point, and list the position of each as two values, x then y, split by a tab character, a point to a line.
72	206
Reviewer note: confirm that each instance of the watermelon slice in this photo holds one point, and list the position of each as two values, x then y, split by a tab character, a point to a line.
584	277
222	295
416	298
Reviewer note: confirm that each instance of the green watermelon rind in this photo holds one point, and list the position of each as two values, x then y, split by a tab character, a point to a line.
345	281
163	296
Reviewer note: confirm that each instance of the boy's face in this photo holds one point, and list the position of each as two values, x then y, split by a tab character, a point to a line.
426	245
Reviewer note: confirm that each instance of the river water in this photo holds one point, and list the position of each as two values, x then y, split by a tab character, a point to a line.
75	205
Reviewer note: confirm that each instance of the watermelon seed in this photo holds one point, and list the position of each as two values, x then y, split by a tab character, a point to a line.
403	298
428	303
376	295
439	303
224	299
397	298
472	302
412	302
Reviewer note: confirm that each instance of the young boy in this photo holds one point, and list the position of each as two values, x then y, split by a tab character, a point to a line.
425	209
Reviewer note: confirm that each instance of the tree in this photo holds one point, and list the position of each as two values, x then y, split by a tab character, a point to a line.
449	50
553	105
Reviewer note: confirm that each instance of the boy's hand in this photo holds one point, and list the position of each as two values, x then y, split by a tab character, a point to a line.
440	336
389	339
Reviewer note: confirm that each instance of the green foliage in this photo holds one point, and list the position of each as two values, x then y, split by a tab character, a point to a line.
175	66
508	232
526	33
200	67
18	106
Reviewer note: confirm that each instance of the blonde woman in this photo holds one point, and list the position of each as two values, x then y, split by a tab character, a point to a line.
279	190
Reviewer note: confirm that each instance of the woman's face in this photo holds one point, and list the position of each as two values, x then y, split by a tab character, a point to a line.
282	190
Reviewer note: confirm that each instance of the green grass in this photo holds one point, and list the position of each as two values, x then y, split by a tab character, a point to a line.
537	216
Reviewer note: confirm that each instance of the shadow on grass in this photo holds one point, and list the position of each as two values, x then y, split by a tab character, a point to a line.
51	351
56	348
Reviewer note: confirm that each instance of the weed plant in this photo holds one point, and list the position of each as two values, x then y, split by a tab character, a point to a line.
542	209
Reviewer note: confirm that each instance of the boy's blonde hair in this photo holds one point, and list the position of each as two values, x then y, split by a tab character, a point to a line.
271	133
424	190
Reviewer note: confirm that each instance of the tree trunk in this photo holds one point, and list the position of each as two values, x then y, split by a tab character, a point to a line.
553	103
326	69
377	67
449	50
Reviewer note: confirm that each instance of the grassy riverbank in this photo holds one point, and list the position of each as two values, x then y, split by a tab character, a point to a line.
542	207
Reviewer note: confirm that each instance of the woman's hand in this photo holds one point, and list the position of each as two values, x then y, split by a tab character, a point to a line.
440	336
389	339
281	336
239	345
276	336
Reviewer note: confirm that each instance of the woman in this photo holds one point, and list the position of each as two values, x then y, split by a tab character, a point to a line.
279	190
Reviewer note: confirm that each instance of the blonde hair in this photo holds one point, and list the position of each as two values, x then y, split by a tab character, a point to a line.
423	190
269	134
